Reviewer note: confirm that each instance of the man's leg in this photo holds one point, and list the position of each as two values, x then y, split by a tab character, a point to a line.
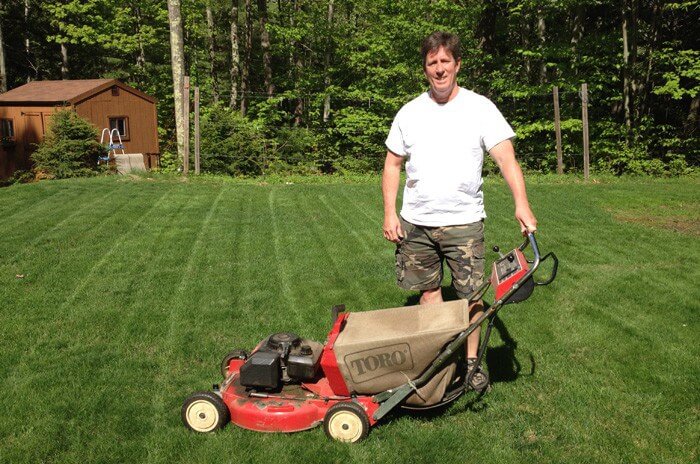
476	309
431	296
418	263
463	248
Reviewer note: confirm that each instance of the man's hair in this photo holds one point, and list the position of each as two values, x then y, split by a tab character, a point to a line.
439	39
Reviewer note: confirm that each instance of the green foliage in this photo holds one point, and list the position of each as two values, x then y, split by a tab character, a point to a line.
367	60
169	161
360	135
70	148
295	150
683	77
231	144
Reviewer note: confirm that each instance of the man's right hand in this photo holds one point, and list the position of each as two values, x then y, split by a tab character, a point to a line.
392	228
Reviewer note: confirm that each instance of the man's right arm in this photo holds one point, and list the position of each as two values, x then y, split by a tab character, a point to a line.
390	187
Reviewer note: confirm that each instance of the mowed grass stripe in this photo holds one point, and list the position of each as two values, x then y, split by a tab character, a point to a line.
17	198
372	253
64	225
332	241
161	400
240	308
76	346
280	260
136	415
35	218
66	308
90	353
52	271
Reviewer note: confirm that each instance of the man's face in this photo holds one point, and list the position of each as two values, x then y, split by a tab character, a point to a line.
441	70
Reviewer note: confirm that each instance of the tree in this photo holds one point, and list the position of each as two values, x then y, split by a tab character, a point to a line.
3	68
235	57
177	56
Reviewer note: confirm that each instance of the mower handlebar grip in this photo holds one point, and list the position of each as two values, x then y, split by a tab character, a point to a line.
532	241
555	266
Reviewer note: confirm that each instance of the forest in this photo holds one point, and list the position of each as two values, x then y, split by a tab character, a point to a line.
312	86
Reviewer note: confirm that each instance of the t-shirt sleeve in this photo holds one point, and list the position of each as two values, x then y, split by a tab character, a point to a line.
495	129
394	141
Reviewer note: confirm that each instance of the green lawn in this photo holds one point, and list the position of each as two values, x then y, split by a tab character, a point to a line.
118	298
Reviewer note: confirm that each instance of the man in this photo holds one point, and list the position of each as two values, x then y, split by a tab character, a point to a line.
442	134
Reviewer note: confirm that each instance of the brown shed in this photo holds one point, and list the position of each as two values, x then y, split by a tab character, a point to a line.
107	103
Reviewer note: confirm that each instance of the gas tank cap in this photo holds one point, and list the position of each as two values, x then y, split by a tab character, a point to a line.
283	340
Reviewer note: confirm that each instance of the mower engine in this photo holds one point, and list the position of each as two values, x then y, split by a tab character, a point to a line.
281	358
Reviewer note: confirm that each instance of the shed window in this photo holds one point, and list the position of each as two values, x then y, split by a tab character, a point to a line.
115	91
7	129
121	123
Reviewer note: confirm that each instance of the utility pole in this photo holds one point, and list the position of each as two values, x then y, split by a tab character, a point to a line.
186	119
557	130
196	130
584	117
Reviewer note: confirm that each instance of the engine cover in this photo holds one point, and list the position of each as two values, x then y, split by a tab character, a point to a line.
281	358
262	370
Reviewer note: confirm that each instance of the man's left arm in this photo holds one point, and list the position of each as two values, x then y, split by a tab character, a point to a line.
503	154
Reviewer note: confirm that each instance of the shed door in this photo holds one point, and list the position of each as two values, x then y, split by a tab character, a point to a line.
33	130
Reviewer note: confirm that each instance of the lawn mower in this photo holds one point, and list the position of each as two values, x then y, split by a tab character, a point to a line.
371	363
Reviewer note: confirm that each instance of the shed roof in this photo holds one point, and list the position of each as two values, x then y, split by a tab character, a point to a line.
65	91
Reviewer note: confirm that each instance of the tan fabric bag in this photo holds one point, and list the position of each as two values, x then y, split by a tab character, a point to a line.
379	350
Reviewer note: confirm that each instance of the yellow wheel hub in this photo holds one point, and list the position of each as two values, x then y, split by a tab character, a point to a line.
202	416
345	426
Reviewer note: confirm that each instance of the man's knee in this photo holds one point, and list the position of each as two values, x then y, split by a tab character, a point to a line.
433	295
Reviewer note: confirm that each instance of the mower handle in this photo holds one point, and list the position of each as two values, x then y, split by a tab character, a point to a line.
532	241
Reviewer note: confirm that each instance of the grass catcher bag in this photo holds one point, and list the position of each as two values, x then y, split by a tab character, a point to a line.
379	350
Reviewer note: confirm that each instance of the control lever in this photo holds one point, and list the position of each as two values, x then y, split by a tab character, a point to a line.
497	250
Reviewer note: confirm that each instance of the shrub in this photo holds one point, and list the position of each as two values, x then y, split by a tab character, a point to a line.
70	148
294	150
231	144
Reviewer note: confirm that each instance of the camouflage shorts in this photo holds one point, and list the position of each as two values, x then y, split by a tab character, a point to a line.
420	253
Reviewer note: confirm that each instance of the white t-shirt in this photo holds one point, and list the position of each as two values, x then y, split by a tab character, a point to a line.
444	146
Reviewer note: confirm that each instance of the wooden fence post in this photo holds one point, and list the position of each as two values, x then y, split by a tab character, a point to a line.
584	117
186	118
196	130
557	130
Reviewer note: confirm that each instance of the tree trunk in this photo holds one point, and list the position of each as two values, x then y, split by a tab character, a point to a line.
235	58
541	30
265	45
692	122
247	49
141	58
298	69
645	87
629	49
27	49
486	28
177	57
525	36
212	53
576	36
64	61
327	63
3	69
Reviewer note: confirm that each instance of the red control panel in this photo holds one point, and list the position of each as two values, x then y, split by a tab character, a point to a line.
507	271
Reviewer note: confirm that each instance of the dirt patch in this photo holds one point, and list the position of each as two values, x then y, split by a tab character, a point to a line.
681	224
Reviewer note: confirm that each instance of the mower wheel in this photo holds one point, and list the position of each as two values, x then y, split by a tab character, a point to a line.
346	422
235	354
204	412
